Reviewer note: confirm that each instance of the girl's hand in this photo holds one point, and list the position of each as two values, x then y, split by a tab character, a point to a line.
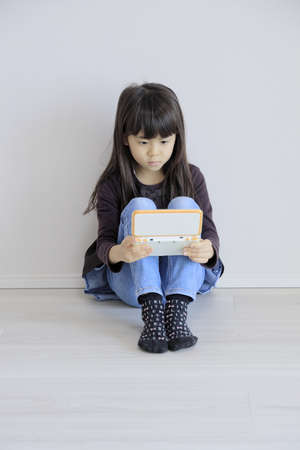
131	251
200	252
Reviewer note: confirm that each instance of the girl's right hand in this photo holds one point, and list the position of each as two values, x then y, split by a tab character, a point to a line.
131	251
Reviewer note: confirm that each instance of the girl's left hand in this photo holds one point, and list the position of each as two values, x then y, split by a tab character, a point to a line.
200	251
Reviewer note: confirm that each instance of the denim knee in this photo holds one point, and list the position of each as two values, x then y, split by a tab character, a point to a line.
183	202
138	203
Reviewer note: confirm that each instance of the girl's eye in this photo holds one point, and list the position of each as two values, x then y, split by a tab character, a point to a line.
144	142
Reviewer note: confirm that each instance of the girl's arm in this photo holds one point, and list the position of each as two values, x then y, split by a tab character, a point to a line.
209	230
108	214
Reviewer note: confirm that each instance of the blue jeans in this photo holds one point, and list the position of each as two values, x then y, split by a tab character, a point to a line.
166	275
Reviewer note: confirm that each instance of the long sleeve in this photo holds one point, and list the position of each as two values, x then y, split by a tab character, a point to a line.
209	230
108	214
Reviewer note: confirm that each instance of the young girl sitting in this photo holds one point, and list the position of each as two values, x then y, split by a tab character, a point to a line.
148	169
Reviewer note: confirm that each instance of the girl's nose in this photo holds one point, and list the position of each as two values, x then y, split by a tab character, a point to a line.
154	151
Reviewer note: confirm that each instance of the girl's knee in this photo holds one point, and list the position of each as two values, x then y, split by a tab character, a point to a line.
139	203
183	202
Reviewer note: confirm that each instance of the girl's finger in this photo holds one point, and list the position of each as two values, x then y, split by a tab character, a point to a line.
202	255
199	260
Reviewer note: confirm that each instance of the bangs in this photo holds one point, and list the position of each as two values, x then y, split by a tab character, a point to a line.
152	116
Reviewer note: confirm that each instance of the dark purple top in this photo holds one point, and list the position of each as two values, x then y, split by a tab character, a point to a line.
108	213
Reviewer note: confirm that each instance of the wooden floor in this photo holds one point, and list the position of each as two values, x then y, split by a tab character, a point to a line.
73	377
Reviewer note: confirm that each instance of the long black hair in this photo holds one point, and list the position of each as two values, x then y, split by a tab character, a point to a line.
153	108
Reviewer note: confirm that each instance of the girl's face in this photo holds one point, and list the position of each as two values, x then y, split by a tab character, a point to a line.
145	151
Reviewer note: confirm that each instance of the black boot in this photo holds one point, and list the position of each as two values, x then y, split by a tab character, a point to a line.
153	338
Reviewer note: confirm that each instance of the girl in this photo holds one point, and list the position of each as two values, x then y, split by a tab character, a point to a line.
148	169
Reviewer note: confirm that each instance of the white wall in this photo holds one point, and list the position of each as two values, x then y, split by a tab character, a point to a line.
235	68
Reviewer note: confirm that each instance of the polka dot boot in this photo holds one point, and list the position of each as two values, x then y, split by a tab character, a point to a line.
179	334
153	338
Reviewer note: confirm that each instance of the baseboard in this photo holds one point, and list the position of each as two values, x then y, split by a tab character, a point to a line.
75	281
41	282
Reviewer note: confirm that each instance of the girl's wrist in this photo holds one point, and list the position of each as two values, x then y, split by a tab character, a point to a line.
114	254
